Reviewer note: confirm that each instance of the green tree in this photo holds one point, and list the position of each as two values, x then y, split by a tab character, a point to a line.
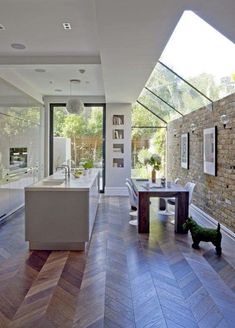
143	117
95	129
18	120
145	137
59	119
206	84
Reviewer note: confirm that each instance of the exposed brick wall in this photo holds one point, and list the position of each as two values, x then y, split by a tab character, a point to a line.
211	194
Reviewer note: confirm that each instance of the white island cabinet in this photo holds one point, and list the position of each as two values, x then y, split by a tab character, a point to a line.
60	212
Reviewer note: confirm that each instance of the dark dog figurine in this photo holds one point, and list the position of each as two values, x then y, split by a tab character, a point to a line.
203	234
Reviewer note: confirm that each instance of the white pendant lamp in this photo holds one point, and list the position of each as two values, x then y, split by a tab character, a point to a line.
74	105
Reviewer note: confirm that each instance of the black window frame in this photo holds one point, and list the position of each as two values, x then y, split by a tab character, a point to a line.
51	130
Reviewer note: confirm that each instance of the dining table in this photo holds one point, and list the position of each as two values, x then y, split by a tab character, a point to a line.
148	190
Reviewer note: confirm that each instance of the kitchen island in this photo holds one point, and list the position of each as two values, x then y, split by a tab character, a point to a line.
60	211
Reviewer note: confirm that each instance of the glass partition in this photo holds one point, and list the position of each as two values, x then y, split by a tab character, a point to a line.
21	154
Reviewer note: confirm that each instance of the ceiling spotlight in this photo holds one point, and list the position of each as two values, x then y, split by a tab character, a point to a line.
18	46
82	71
40	70
75	81
67	26
2	27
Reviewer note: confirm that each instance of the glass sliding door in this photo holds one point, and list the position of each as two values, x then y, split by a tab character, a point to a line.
76	139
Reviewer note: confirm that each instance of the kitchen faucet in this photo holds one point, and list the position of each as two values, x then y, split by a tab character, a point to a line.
66	169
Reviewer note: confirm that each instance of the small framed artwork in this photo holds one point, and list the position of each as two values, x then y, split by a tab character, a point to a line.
210	151
184	154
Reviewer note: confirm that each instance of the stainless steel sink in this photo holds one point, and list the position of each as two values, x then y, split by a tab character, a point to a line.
53	182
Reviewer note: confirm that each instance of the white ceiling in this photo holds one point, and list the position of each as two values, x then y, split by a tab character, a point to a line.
56	78
38	25
11	96
119	41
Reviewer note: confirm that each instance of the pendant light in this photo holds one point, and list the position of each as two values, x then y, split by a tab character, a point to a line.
74	105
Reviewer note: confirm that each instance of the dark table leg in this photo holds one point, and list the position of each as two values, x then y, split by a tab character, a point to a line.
143	213
162	204
181	211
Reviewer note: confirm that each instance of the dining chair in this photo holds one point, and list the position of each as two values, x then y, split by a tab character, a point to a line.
135	192
134	203
190	188
166	199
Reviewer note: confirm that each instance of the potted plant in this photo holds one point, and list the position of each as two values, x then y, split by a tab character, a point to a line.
88	164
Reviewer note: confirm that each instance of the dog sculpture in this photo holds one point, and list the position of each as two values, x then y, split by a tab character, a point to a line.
203	234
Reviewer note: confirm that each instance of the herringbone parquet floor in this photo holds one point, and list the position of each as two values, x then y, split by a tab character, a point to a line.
123	280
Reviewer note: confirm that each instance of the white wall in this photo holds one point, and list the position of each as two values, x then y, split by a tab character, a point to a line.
61	151
115	176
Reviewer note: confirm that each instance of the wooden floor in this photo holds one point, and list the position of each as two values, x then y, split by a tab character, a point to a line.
124	279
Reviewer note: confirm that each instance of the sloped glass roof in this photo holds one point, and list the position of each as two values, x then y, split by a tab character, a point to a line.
202	56
196	68
157	107
142	117
175	91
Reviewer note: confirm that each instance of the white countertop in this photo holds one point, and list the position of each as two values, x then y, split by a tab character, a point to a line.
83	183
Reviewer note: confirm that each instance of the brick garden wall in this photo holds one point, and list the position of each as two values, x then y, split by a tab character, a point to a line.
214	195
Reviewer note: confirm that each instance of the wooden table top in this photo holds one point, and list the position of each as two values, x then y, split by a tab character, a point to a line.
140	186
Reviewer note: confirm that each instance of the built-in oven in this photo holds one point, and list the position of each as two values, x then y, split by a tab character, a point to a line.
18	158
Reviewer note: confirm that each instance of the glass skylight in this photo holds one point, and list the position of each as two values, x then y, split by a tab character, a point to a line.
202	56
141	117
178	94
157	106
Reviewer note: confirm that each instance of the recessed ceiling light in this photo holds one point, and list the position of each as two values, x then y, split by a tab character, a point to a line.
75	81
2	27
58	90
82	71
67	26
18	46
50	82
40	70
87	82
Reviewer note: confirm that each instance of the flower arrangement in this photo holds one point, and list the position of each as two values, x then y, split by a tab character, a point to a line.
155	161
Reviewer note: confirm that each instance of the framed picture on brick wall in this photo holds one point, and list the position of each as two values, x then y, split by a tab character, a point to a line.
184	153
210	151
